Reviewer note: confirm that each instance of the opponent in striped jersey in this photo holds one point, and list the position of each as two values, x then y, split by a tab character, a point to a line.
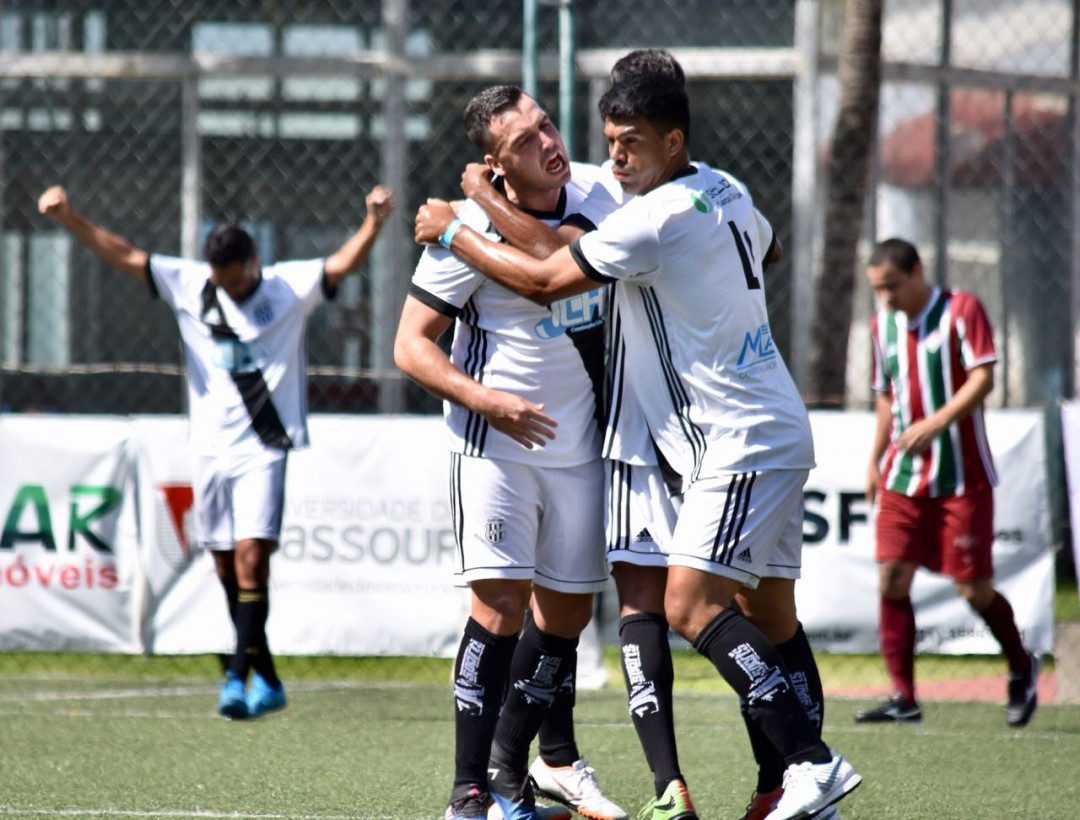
923	361
686	260
243	333
522	389
930	474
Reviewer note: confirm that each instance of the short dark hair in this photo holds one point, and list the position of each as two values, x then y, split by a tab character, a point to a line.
648	61
228	243
484	107
899	252
658	100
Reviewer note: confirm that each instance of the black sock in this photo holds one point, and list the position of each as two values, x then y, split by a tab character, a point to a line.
752	666
802	669
556	741
538	667
232	592
251	609
480	674
805	677
649	675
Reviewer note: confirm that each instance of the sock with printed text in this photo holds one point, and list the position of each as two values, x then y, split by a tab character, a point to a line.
649	676
481	670
538	668
752	666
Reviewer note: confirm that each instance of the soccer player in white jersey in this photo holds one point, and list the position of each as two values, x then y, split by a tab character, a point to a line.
930	474
720	404
522	389
641	511
242	328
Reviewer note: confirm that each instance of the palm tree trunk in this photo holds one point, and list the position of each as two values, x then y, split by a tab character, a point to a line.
848	178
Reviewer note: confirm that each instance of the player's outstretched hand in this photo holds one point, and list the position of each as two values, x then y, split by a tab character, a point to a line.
475	180
522	420
380	203
431	220
53	203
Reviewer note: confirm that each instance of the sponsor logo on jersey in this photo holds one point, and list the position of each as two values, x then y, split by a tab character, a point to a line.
235	356
643	536
573	312
744	556
495	530
716	196
758	353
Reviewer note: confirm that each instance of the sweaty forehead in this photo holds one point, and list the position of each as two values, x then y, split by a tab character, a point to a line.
508	125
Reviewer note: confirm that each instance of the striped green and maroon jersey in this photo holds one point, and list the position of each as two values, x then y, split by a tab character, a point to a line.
922	362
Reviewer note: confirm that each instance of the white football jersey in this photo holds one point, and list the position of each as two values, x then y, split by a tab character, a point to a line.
246	363
687	257
552	356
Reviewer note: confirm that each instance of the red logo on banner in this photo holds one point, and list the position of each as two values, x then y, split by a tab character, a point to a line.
179	498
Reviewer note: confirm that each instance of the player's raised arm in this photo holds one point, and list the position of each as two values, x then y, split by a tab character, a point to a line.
113	249
354	253
541	280
418	355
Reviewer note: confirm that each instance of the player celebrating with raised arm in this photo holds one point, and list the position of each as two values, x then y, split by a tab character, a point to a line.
242	328
723	410
930	474
522	386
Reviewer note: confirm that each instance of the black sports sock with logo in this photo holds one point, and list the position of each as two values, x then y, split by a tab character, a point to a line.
480	675
649	676
251	610
752	666
538	667
556	741
802	669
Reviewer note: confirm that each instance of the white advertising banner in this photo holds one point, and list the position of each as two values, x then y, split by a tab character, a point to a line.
68	552
366	557
367	552
837	596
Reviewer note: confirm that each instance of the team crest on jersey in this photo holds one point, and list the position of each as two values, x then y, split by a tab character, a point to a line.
495	530
264	314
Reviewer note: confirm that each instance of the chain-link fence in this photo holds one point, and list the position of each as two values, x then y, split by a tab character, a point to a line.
162	117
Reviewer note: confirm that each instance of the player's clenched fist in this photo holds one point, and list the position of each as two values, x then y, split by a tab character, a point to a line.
54	202
431	220
380	203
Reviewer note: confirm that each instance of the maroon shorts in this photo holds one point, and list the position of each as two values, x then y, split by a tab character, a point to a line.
953	535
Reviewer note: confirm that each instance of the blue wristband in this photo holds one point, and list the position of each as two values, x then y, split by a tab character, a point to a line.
448	235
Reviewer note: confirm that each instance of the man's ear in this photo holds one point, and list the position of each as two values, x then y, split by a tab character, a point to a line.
675	141
494	165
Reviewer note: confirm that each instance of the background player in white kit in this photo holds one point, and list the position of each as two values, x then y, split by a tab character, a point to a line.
526	502
242	328
686	258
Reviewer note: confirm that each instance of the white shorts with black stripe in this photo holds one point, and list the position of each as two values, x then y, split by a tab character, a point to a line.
238	497
519	521
745	526
640	515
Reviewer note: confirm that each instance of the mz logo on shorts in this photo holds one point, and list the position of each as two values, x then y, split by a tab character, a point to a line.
495	530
